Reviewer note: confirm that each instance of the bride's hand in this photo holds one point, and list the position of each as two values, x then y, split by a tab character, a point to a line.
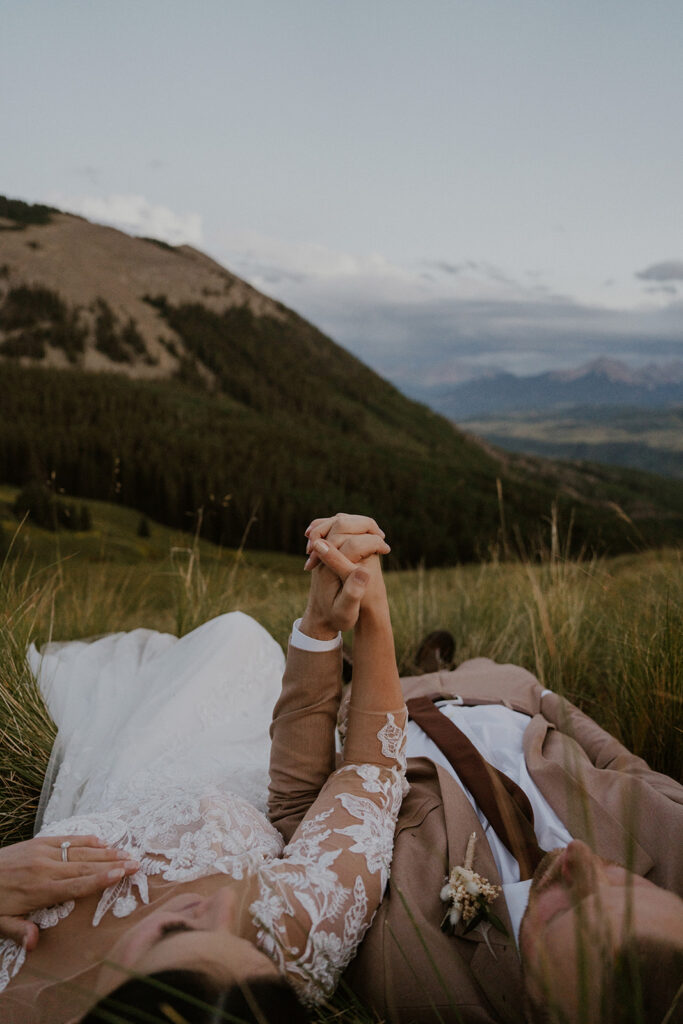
33	874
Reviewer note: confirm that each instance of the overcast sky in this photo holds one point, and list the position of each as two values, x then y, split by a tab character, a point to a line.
442	185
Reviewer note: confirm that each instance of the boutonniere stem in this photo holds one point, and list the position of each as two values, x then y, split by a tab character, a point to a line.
469	896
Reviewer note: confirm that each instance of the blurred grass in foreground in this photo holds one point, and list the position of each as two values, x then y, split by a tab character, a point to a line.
606	633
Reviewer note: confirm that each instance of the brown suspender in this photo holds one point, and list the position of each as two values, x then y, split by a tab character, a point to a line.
503	802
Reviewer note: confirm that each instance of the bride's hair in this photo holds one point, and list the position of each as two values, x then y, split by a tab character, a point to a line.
193	997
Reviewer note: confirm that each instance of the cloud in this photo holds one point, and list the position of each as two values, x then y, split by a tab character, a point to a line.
447	268
345	277
434	321
263	256
137	216
92	173
667	270
450	339
661	289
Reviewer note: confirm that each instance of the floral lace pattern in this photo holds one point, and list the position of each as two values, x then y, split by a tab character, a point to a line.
393	740
182	834
165	796
12	955
317	902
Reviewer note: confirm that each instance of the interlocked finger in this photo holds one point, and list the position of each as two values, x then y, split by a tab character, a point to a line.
342	523
353	547
333	559
356	548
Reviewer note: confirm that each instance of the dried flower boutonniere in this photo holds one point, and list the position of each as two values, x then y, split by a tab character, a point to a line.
470	895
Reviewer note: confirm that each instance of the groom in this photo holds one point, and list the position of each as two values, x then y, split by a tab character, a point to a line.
592	933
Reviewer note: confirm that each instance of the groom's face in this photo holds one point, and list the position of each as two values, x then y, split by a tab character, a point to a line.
581	910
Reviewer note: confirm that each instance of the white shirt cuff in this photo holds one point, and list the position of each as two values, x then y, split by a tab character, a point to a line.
308	643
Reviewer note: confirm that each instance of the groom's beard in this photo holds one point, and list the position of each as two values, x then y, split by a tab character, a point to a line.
547	873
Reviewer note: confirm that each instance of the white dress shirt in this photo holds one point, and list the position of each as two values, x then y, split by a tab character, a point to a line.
497	733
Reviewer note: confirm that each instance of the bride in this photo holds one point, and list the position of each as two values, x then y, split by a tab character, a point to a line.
161	757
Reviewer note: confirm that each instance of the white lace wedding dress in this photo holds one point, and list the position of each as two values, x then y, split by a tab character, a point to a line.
163	750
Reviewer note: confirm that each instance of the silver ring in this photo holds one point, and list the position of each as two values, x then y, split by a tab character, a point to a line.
65	850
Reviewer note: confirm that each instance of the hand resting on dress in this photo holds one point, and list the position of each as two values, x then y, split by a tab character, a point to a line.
34	875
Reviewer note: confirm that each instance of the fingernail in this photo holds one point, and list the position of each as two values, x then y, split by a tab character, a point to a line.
308	564
116	874
307	531
320	545
132	865
308	547
122	855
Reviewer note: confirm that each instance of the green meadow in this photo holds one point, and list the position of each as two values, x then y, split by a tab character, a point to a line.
606	633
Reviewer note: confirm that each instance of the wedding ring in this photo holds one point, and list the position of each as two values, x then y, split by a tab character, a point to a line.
65	850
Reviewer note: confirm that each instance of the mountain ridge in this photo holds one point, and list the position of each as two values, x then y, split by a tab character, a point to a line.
650	375
133	369
83	262
600	382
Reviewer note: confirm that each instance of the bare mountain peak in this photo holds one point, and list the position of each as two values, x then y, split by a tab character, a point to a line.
59	271
611	369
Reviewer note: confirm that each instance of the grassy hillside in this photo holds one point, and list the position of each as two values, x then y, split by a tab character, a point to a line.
151	375
170	451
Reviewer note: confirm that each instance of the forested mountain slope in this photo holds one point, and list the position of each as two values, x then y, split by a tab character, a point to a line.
129	368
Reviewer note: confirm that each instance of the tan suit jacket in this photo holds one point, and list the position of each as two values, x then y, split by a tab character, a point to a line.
406	968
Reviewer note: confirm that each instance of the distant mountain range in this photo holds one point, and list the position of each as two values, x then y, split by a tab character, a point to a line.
601	382
146	373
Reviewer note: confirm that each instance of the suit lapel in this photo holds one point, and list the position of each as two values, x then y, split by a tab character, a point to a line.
495	964
572	787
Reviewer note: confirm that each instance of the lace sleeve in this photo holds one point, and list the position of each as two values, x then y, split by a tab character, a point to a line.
315	905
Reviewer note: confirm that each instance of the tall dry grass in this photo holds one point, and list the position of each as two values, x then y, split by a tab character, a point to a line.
606	633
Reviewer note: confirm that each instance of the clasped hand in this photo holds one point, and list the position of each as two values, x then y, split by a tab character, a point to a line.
343	558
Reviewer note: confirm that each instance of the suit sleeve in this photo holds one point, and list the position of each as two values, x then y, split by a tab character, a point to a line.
602	749
302	754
